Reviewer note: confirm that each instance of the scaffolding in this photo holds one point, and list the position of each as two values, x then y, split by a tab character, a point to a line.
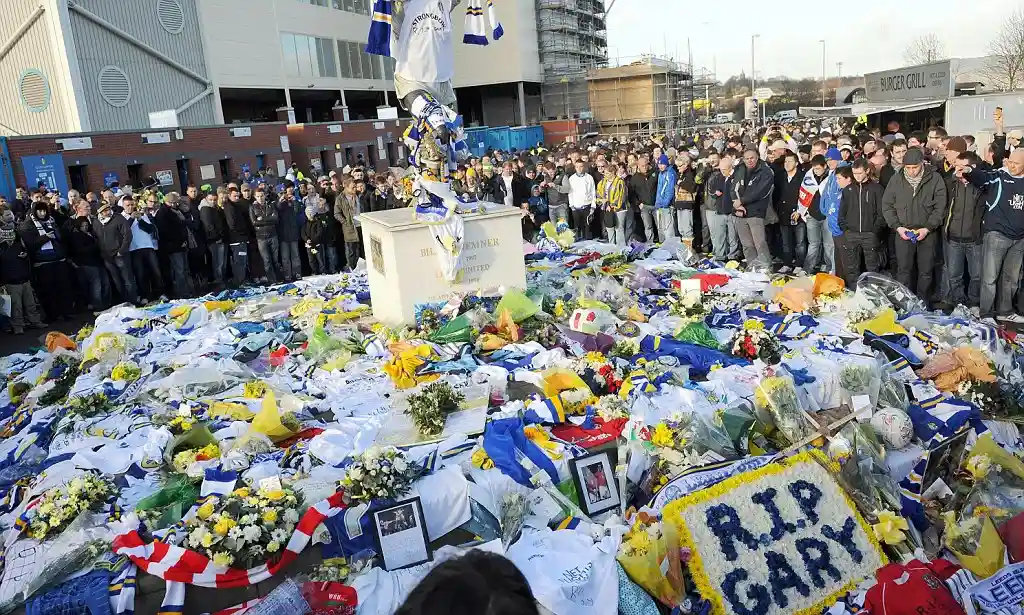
573	40
580	82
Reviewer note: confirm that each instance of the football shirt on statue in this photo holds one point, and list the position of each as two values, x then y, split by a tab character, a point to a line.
424	51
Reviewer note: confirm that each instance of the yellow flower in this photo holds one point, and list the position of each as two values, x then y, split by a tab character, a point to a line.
242	492
269	516
595	357
662	436
255	389
890	528
223	559
481	460
207	540
753	325
205	511
273	546
559	311
979	466
272	495
223	526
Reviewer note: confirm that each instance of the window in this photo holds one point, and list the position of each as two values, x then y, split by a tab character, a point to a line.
355	54
357	64
351	6
325	53
291	60
308	56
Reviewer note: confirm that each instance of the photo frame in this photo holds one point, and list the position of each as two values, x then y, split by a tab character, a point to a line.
593	476
400	533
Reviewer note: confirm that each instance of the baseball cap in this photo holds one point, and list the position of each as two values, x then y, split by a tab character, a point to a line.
332	174
846	146
663	160
1016	134
914	156
833	154
779	144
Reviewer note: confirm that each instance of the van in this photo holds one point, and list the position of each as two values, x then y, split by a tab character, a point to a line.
725	118
786	116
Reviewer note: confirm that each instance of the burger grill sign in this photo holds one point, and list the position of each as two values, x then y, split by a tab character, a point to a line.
925	81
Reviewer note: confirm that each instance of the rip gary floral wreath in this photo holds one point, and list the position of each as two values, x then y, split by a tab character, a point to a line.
784	539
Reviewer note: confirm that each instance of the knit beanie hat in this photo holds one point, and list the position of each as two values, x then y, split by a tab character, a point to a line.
663	160
957	144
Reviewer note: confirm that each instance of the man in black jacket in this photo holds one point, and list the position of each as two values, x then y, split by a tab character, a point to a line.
45	244
686	197
114	236
215	231
752	193
173	237
557	191
643	187
962	232
289	211
263	214
860	216
239	232
16	277
84	250
914	206
786	198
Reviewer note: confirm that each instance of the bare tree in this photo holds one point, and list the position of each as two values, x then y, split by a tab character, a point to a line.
924	49
1005	68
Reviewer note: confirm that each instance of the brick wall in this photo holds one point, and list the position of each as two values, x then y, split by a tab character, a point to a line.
349	139
198	147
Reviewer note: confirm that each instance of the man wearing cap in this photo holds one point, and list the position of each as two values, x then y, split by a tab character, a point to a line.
962	248
914	206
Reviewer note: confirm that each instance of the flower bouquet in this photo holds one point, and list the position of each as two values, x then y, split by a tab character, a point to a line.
600	374
61	505
128	371
88	406
651	558
776	394
989	397
431	406
183	421
246	527
184	460
754	342
380	473
690	307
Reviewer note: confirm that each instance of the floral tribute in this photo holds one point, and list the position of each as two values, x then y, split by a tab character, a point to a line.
62	504
753	341
246	527
381	473
784	539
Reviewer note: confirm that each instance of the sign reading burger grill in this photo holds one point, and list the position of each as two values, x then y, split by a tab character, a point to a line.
925	81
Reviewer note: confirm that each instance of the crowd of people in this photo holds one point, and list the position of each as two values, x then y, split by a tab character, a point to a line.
944	219
63	255
928	208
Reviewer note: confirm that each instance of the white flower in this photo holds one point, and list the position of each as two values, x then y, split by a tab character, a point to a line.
279	535
235	533
291	516
400	464
247	519
355	473
252	533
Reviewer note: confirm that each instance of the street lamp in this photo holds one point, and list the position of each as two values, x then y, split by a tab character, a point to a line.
752	37
822	41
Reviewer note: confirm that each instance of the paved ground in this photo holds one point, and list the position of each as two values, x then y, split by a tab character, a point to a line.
32	339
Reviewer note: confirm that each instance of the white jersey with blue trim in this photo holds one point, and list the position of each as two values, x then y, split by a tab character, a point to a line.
425	51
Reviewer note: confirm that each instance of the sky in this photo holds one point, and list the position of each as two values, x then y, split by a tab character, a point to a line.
860	37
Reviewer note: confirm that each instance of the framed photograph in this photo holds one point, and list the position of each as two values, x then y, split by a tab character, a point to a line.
594	478
401	534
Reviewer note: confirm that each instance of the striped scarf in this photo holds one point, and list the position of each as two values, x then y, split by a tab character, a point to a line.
379	41
913	181
476	25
